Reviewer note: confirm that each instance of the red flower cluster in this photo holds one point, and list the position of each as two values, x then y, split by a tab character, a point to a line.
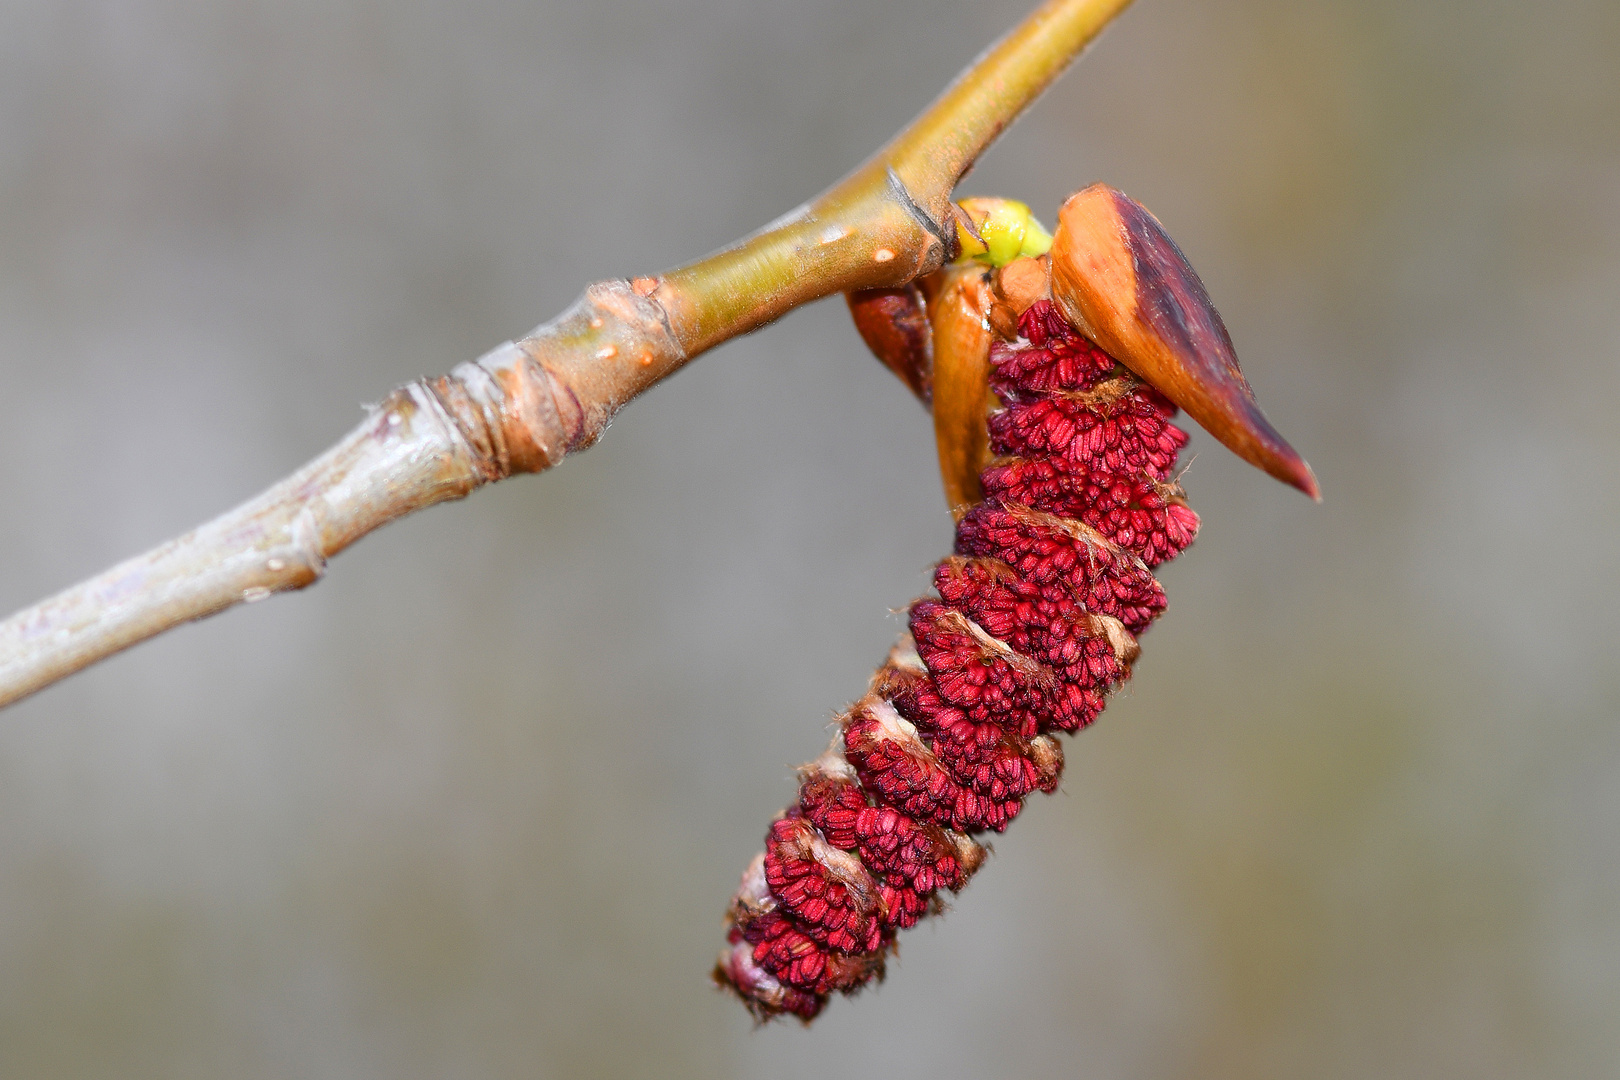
1035	624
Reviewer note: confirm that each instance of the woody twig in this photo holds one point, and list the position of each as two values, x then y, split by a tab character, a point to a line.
526	405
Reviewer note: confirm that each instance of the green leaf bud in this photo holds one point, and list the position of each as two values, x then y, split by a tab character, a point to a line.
1006	230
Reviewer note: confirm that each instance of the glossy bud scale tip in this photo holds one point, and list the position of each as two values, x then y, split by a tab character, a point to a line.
1125	284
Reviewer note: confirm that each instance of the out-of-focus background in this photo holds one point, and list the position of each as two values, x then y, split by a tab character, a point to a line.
473	807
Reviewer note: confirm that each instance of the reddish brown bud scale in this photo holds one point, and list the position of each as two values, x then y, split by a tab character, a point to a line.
1125	284
1016	287
894	325
959	315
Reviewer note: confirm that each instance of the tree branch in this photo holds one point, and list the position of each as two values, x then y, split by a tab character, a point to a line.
526	405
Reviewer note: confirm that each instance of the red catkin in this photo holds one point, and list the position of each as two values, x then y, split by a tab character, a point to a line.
1034	624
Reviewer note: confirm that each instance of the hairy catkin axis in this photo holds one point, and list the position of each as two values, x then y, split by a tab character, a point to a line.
1035	622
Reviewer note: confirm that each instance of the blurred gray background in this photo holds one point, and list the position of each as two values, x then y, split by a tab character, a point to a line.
473	806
